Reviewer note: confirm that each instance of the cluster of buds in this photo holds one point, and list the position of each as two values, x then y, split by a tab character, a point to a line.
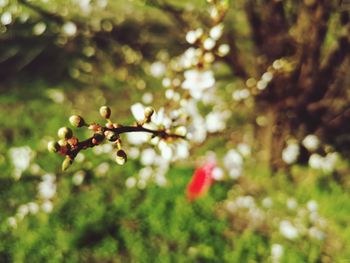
69	146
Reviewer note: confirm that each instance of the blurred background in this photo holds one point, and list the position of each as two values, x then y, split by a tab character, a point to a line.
277	125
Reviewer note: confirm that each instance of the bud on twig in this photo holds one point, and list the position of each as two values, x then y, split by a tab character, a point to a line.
105	112
98	138
148	113
121	157
66	163
111	136
65	133
181	131
53	146
76	121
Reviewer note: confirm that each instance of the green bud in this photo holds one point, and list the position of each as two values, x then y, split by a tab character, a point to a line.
105	112
76	121
66	163
121	157
53	146
65	133
148	113
111	136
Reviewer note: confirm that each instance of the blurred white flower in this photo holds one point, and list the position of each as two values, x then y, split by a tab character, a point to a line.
12	222
262	84
138	111
217	174
288	230
148	156
315	233
330	162
133	152
21	158
47	206
69	28
6	18
245	202
39	28
216	32
47	187
267	202
327	163
233	162
191	37
157	69
182	150
165	150
312	205
197	81
277	251
3	3
102	169
290	153
311	142
267	76
292	203
147	98
215	121
78	178
244	149
315	161
137	138
241	94
223	50
22	211
33	208
209	43
131	182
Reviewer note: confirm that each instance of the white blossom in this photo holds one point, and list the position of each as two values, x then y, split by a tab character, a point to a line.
290	153
148	156
69	28
131	182
6	18
288	230
197	81
277	251
311	142
218	174
157	69
233	162
223	50
209	44
47	206
216	32
215	121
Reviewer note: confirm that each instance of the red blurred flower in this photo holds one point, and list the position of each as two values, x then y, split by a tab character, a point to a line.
200	182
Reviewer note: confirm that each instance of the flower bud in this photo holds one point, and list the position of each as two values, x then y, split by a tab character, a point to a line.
121	157
53	146
105	112
148	113
62	142
65	133
66	163
76	121
181	131
111	136
98	138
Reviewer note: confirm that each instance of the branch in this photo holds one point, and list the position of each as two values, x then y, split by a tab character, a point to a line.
91	142
69	146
